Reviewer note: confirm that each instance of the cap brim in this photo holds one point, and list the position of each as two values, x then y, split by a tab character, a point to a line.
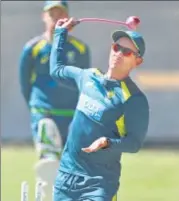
119	34
46	8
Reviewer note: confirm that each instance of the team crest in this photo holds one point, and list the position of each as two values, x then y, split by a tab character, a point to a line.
71	57
44	59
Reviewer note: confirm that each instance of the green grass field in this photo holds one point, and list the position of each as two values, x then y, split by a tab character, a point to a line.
146	176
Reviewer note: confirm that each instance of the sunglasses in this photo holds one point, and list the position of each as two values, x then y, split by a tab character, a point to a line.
125	51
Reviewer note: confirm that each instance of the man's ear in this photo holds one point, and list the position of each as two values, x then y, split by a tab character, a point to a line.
139	61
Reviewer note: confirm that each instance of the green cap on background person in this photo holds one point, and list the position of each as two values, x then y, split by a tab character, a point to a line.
51	4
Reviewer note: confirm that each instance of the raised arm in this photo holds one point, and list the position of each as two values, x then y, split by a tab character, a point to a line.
57	65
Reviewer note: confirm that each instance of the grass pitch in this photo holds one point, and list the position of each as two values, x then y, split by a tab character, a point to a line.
146	176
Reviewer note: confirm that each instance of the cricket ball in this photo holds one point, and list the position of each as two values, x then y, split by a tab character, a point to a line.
133	22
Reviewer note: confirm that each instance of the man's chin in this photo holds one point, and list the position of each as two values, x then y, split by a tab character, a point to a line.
116	65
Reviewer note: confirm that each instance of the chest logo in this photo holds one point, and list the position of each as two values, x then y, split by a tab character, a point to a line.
90	107
110	94
71	57
44	59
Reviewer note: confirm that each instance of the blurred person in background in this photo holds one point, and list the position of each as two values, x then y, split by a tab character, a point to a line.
111	118
51	105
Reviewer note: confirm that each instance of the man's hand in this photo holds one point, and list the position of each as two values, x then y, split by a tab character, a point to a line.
98	144
66	23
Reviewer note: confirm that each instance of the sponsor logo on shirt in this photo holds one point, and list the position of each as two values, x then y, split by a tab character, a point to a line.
92	108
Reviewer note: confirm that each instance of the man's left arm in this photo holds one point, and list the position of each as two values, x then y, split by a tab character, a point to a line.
136	119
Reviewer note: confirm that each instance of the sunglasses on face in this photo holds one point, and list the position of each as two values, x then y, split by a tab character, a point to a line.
125	51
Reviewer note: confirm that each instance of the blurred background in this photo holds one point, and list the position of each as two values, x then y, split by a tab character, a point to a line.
154	170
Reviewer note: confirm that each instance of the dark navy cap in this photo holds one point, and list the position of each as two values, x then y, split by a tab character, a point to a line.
134	36
51	4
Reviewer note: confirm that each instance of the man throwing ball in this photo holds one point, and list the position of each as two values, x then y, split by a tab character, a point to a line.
111	118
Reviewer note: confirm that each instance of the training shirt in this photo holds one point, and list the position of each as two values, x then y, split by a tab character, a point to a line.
111	108
38	88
